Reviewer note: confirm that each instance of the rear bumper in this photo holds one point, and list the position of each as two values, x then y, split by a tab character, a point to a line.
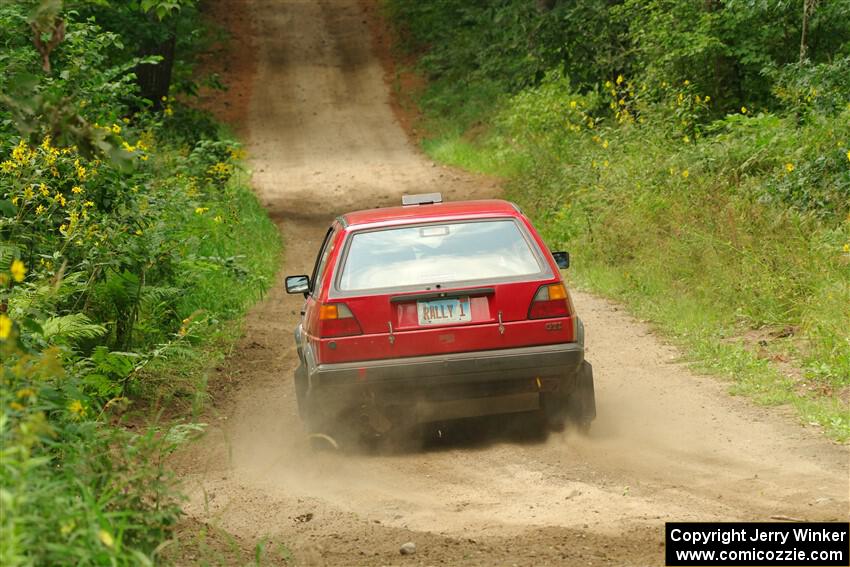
526	362
493	379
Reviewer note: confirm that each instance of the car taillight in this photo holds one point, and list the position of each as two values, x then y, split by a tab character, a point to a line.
337	320
550	301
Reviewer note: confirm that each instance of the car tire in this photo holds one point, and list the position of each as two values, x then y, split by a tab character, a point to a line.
553	411
580	405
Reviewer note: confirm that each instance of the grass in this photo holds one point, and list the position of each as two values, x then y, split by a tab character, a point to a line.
248	254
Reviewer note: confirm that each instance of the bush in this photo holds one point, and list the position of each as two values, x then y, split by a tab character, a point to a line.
128	237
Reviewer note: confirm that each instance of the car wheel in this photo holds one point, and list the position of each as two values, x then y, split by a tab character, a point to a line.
553	411
580	405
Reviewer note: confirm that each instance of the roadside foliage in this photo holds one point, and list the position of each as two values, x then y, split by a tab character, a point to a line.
129	241
693	156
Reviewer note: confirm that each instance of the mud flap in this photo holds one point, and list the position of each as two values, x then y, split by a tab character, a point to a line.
301	391
581	403
576	407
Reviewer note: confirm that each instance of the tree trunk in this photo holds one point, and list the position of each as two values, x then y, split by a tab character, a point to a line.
155	79
808	9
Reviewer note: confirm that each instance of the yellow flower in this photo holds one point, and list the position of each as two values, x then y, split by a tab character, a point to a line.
39	209
25	393
685	173
7	166
847	248
221	169
201	210
743	110
5	327
620	79
848	155
106	538
116	129
88	204
217	218
76	407
707	99
605	144
687	139
44	190
16	406
81	170
686	83
789	167
18	270
168	111
21	153
573	104
28	193
76	189
608	84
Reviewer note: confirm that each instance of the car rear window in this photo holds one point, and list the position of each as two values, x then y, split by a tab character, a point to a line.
437	254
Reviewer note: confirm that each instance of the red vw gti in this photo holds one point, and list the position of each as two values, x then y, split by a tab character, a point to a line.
437	311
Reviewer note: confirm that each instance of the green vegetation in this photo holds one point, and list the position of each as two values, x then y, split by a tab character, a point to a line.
693	156
130	244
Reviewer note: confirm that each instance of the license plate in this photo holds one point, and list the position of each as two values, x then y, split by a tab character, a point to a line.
439	311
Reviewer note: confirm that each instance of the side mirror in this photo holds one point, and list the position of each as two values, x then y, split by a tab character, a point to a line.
562	259
297	284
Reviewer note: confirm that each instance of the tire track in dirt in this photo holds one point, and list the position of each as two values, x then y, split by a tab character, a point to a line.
668	445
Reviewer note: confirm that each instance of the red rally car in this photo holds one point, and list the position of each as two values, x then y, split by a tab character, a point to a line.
437	311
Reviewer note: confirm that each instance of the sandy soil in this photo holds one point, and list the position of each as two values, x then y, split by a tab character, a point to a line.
668	445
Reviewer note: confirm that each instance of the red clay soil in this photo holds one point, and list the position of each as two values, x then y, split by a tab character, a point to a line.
403	82
233	60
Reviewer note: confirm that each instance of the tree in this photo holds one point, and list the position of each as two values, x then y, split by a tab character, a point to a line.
808	9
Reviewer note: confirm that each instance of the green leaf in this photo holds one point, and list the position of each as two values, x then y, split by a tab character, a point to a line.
7	208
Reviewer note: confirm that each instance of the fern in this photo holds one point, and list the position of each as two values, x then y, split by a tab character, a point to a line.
46	294
8	252
71	328
155	297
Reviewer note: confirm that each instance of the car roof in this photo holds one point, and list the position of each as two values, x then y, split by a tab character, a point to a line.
453	210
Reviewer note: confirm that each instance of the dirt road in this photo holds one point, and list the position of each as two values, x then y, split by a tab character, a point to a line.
668	445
